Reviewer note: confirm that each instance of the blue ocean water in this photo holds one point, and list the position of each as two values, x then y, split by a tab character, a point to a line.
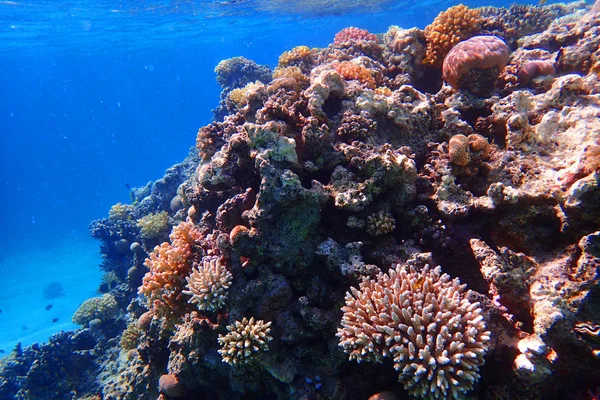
98	96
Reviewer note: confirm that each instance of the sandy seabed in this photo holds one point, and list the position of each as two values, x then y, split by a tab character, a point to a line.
26	315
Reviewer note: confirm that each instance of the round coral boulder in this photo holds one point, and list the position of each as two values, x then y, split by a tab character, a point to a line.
475	64
170	385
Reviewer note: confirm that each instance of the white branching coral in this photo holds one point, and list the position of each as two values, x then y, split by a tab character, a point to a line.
245	341
425	322
208	284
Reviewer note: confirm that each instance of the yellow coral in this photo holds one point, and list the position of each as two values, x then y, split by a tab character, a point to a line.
297	54
447	29
245	341
153	226
294	73
131	336
104	308
120	212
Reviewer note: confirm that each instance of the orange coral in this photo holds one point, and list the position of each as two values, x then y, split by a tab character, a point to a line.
169	264
299	54
447	29
351	71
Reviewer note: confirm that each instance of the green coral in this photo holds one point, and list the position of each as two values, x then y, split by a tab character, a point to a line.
154	226
121	212
103	308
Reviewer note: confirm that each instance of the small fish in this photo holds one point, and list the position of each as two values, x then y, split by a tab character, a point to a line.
419	283
128	186
0	311
54	319
2	351
49	306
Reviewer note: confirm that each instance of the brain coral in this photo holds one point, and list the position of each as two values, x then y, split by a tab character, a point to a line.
425	322
479	52
245	341
447	29
208	284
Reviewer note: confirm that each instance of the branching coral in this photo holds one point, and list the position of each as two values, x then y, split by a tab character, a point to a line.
208	284
245	341
425	322
447	29
169	265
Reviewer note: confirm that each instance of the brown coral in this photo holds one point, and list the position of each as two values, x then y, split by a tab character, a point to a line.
448	28
477	53
466	149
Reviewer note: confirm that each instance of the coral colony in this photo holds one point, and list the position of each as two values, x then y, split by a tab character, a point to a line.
407	215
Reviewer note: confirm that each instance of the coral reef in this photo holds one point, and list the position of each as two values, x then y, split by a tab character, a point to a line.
325	189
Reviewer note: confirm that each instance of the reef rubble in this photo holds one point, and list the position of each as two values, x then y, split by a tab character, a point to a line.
350	226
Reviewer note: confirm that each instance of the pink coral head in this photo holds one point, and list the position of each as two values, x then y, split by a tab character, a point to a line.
479	52
353	34
535	68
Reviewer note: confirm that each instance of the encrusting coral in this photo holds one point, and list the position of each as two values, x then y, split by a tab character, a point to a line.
425	322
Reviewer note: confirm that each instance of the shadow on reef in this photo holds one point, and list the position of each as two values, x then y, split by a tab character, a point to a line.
406	215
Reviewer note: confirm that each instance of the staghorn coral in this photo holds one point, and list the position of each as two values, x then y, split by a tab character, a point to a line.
487	53
450	27
103	308
425	322
246	340
208	283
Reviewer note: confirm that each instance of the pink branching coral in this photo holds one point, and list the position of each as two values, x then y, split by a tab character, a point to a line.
353	34
169	264
425	322
479	52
